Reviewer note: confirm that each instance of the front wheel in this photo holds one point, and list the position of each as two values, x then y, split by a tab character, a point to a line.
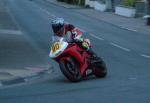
99	68
70	68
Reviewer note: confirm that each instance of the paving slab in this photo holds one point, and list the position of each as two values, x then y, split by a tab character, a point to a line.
15	76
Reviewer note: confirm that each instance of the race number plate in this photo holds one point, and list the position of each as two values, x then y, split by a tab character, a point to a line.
56	46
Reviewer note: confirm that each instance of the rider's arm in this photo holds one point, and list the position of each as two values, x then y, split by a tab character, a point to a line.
77	35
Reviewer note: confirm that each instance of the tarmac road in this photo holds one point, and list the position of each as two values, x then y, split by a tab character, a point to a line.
126	54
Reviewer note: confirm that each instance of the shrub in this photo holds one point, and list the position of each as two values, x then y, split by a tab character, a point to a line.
129	3
69	1
76	2
102	1
80	2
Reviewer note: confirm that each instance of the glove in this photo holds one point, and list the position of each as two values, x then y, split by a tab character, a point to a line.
86	44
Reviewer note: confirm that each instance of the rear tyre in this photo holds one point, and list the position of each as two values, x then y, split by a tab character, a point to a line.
99	68
70	68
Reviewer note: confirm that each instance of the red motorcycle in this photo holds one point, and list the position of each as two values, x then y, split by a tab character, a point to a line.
75	62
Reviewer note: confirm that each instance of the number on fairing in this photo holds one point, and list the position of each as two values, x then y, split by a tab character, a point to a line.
56	46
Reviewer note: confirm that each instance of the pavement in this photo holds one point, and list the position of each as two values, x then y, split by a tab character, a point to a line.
11	75
132	24
15	76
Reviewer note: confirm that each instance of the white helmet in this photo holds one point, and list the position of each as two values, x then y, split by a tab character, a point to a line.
58	26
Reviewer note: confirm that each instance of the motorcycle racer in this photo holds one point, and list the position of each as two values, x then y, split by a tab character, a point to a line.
70	33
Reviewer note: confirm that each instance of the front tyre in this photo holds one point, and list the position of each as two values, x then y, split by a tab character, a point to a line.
99	68
70	68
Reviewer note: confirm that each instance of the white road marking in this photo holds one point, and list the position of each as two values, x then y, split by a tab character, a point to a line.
96	37
128	28
131	29
48	13
146	56
8	31
118	46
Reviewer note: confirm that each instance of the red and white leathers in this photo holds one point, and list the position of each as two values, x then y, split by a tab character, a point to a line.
72	33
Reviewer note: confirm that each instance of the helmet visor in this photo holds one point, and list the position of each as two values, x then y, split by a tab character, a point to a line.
58	30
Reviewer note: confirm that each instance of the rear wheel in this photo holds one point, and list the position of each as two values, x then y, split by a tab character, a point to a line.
70	68
99	68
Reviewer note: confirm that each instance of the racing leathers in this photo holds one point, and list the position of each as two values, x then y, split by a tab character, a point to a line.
74	34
